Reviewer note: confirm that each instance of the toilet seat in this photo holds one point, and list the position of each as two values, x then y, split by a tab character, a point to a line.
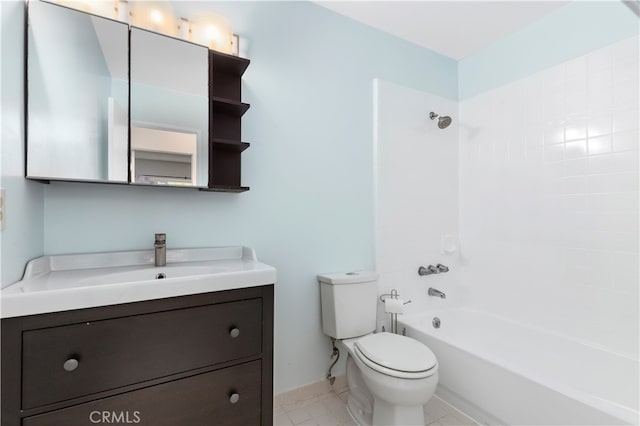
396	355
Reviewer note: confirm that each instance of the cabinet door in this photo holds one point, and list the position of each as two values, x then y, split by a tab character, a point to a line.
66	362
169	110
229	397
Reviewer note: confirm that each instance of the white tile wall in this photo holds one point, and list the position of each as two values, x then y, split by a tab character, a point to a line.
549	197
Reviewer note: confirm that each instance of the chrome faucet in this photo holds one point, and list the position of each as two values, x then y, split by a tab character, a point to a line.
437	293
428	270
442	268
161	250
439	268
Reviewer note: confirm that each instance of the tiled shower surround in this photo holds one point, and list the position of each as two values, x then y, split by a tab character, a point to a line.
549	198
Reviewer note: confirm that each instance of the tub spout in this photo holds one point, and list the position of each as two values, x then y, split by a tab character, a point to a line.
437	293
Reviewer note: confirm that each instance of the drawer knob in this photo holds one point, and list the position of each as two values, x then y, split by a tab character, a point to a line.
71	364
234	398
234	332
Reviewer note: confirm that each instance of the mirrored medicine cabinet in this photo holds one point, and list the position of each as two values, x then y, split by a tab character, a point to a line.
111	103
169	110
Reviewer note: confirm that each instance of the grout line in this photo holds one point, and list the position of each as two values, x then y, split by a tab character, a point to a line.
303	404
456	410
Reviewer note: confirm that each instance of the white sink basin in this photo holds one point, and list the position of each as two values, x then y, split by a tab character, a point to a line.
65	282
152	273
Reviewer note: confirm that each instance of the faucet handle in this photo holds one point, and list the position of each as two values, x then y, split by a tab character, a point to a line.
407	302
428	270
161	238
442	268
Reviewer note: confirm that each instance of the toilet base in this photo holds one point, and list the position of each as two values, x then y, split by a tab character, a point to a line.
385	414
359	401
359	416
367	410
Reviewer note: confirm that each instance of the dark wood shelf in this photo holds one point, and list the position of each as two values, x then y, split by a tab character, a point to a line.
225	122
225	188
229	106
229	64
229	145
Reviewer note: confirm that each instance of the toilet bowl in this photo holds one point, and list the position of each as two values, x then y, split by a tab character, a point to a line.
390	378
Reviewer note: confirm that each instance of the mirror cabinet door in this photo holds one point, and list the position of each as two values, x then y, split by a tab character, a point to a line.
169	110
78	95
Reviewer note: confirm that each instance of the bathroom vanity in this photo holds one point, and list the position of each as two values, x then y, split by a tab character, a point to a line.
84	343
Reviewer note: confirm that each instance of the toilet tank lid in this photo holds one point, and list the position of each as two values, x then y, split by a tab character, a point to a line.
348	277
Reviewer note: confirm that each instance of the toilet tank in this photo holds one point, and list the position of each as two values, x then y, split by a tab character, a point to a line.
349	303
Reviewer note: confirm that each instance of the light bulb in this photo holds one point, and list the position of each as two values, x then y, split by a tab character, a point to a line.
211	30
212	33
156	17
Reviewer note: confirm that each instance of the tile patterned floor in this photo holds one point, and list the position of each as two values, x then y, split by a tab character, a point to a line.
320	404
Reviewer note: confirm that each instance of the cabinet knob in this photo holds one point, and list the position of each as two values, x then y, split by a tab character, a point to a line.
71	364
234	332
234	397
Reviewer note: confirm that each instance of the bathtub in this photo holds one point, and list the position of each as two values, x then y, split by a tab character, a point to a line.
502	372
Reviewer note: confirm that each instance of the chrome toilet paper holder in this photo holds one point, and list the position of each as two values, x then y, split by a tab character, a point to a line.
394	317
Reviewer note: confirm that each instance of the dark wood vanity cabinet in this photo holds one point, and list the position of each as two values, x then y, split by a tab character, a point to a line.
193	360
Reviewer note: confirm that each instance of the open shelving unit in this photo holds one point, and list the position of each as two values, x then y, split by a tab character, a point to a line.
225	122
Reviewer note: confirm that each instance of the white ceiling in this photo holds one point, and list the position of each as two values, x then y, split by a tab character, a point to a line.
453	28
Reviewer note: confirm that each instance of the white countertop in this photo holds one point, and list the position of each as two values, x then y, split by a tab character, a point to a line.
65	282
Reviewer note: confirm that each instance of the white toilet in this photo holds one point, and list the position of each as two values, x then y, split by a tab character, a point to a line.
390	376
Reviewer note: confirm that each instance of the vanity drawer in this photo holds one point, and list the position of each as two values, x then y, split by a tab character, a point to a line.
65	362
203	400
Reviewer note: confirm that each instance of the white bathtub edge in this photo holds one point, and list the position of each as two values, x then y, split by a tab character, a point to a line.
467	408
620	416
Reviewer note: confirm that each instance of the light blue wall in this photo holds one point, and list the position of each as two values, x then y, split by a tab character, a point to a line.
310	208
571	31
23	236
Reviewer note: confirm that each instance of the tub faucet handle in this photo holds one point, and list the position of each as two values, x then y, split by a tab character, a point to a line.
442	268
428	270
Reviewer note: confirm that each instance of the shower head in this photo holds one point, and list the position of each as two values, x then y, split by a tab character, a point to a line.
443	121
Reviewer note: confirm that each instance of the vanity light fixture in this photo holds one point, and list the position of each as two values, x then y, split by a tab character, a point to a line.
212	34
213	31
122	10
208	28
235	44
184	26
108	9
156	16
